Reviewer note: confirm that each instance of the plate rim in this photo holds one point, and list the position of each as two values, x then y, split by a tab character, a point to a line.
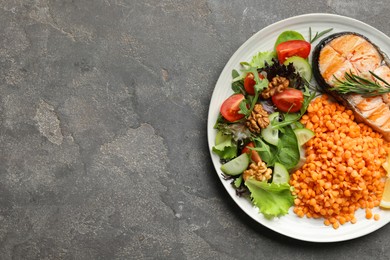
319	17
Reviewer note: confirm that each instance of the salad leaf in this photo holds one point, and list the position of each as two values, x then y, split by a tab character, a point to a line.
288	150
273	200
237	130
225	147
262	58
288	71
261	84
267	152
238	82
238	87
237	182
244	108
286	153
294	119
235	74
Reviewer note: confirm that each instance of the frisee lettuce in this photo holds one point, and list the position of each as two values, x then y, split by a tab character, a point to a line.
262	58
238	131
273	200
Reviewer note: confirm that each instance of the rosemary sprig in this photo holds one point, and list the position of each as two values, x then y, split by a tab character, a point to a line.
318	34
358	85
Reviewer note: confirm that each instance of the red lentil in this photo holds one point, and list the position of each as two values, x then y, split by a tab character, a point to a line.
343	168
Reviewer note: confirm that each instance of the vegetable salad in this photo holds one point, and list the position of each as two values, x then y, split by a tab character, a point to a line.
259	137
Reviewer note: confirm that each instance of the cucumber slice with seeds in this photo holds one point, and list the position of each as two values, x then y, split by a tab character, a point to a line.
303	135
236	166
270	135
280	174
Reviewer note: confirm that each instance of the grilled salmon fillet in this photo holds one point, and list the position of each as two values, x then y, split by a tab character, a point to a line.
354	53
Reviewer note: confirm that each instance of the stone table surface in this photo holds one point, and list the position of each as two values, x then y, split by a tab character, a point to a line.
103	141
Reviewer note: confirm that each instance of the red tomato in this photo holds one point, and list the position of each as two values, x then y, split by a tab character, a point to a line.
249	83
291	48
231	106
289	100
254	155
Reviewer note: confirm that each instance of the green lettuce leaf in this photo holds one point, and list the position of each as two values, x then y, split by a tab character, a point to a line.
225	146
237	182
259	60
273	200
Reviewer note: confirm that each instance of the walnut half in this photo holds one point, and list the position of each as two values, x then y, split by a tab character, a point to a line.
258	119
259	171
276	85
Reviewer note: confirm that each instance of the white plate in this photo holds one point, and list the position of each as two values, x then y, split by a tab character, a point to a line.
290	225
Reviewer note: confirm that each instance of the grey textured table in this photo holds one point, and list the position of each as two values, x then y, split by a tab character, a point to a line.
103	130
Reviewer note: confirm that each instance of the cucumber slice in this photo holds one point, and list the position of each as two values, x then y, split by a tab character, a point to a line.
302	159
303	135
270	135
302	66
236	166
280	174
297	125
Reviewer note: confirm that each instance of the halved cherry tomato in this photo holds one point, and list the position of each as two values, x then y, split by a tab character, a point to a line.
254	155
293	48
249	83
289	100
231	106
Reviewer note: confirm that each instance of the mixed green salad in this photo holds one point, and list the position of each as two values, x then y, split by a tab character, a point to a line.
259	137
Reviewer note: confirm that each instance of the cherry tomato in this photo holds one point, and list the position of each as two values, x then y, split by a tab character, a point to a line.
289	100
293	48
249	83
254	155
231	106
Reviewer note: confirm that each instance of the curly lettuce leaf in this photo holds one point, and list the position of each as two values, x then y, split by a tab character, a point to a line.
273	200
261	58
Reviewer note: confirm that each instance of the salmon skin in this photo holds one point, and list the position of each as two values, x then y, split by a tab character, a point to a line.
354	53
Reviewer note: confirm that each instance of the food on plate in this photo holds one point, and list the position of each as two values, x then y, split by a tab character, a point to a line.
284	146
355	72
385	202
259	138
301	66
289	100
300	48
230	108
288	36
343	170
